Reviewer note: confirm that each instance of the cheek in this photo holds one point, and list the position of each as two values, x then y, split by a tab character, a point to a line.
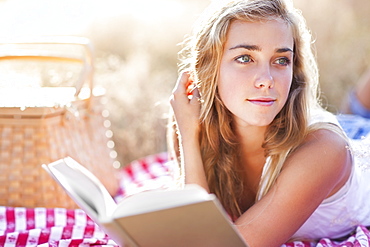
230	82
223	83
224	90
287	88
286	82
284	91
228	88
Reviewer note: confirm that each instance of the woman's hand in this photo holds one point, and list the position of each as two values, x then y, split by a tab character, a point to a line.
185	103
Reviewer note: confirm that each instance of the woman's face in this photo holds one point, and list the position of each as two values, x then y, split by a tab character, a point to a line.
256	70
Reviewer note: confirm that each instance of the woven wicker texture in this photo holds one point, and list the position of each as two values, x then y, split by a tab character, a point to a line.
32	136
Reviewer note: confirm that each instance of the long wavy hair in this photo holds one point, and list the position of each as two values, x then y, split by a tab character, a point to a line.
202	54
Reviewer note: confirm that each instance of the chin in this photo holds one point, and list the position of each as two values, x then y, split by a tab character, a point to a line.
261	122
256	121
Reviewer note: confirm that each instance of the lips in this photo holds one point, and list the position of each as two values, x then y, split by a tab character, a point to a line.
262	101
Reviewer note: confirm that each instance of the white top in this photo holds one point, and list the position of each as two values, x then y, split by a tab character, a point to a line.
339	214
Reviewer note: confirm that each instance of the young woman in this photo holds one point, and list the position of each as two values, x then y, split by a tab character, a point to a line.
250	130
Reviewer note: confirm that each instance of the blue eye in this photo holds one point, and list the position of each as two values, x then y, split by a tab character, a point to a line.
283	61
244	59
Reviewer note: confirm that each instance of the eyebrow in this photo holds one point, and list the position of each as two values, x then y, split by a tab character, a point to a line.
248	47
258	48
282	50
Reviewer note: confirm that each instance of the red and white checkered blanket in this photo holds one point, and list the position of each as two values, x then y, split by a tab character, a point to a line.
59	227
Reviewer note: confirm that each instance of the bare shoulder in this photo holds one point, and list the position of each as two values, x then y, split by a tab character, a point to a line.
326	136
324	144
324	155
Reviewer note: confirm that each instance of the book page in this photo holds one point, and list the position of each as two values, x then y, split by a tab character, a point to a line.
149	201
83	187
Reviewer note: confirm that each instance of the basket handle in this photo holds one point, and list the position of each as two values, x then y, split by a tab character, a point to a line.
87	60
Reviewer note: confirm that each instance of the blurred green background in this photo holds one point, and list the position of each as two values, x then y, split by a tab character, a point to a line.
136	46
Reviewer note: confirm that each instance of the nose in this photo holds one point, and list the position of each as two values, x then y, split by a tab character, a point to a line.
264	79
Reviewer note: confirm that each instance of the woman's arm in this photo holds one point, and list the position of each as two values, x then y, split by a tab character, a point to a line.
187	112
316	170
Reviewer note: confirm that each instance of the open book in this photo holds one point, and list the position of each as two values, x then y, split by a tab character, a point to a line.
158	218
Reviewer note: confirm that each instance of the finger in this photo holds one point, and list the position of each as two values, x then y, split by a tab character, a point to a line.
196	93
195	99
180	92
182	83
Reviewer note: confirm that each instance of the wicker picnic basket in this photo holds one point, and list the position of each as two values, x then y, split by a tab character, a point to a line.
71	122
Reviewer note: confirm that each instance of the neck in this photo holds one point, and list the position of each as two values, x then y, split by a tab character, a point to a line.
252	155
252	160
251	138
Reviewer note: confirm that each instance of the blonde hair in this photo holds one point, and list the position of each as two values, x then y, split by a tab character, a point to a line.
219	147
